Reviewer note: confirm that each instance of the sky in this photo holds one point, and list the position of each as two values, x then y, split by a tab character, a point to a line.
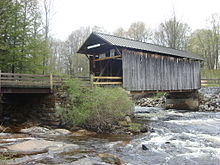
70	15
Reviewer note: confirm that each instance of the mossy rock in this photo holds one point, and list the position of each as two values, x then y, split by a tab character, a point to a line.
124	124
5	156
135	127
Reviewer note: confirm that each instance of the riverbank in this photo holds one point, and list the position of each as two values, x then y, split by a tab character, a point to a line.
41	145
189	137
170	136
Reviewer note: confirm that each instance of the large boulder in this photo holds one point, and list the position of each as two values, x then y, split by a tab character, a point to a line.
42	131
88	161
111	159
40	145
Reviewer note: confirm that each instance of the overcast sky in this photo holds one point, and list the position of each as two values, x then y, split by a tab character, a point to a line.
111	14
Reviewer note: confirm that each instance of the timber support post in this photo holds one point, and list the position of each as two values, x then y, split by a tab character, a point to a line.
51	82
91	80
0	81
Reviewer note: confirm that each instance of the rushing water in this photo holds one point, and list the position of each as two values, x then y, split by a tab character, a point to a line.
176	137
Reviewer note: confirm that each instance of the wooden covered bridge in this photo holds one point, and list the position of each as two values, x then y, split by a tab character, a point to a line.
135	65
140	66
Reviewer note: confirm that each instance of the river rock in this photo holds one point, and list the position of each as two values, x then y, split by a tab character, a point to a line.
40	145
84	132
144	128
2	128
36	130
87	161
144	147
128	119
151	102
111	159
209	99
12	136
63	131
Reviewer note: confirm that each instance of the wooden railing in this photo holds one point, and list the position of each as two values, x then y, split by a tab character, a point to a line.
106	80
210	82
50	81
29	80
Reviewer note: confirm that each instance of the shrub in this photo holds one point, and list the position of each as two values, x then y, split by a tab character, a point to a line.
96	108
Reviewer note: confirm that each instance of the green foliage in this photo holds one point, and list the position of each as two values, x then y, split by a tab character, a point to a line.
173	33
5	156
96	109
22	45
159	94
210	74
205	43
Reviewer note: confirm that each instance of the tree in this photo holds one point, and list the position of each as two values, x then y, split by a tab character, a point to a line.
21	43
215	28
205	42
57	59
76	63
120	32
138	31
47	14
6	23
98	29
173	33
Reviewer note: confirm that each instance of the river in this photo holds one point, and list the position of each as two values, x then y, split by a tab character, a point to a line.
176	137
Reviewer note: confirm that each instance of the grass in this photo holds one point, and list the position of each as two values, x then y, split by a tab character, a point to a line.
158	94
210	74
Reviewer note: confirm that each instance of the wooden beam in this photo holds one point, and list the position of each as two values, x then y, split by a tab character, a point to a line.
106	77
91	80
0	80
51	81
107	83
108	58
157	91
28	75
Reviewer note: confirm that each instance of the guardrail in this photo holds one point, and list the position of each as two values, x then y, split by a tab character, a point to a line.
51	81
29	80
210	82
106	80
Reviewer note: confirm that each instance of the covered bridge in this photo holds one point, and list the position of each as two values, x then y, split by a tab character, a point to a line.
140	66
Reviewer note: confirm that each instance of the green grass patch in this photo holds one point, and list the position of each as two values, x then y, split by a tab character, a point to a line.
211	85
210	74
158	95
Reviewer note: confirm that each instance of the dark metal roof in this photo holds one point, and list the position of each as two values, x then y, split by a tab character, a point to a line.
138	45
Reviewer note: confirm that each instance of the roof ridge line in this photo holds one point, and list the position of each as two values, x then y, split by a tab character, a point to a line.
138	41
140	45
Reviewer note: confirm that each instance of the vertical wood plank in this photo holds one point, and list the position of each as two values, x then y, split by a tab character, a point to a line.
51	81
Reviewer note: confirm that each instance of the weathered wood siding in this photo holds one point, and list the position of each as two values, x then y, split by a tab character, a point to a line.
152	72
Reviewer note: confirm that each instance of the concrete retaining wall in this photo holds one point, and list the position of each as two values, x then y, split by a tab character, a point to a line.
182	100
